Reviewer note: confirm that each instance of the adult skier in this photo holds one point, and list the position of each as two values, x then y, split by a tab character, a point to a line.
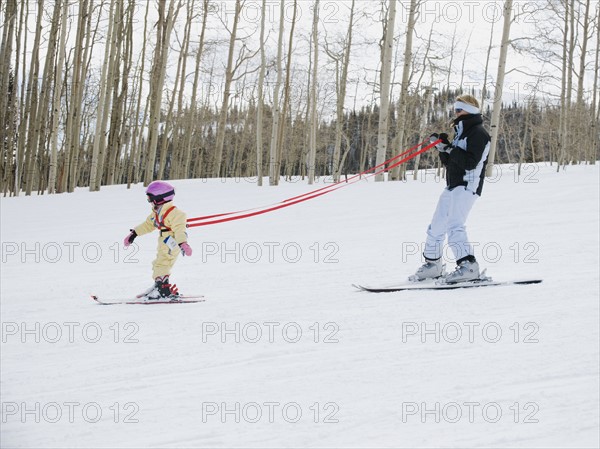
465	160
172	239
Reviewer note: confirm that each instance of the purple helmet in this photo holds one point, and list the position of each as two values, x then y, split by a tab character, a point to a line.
160	192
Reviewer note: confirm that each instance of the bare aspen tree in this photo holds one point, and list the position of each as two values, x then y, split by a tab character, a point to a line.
8	32
582	56
177	150
426	64
342	62
104	100
58	84
259	101
68	179
286	91
583	144
487	63
159	66
85	147
306	137
423	124
402	103
595	112
570	71
185	170
462	68
229	73
312	149
499	85
453	46
31	104
295	146
133	164
170	127
20	110
564	115
384	96
38	132
571	52
273	168
120	111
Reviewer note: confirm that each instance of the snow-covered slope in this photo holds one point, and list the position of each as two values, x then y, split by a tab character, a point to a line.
284	352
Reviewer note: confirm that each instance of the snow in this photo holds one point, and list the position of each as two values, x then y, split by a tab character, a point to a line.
365	369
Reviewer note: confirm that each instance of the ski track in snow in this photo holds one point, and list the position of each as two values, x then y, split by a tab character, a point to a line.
368	368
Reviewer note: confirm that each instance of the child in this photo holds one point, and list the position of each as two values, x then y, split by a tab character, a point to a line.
171	223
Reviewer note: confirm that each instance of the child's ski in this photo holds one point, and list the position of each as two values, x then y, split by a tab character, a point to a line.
184	299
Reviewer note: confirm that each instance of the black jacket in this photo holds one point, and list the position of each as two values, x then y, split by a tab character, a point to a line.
465	164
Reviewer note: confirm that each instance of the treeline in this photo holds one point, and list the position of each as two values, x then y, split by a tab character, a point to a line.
67	120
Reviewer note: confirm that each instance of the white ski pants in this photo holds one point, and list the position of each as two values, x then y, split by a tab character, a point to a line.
449	219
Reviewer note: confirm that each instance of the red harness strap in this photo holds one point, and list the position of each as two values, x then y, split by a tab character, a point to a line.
160	224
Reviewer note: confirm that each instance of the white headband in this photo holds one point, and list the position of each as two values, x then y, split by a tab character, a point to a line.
466	107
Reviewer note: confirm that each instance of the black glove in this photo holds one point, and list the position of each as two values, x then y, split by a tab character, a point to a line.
130	238
444	146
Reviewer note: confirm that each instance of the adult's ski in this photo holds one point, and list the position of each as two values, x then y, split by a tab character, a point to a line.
442	286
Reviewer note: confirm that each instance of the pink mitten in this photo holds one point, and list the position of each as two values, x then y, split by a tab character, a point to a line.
130	238
185	249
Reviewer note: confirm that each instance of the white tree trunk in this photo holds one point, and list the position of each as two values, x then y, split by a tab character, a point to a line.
563	117
8	30
259	101
595	107
341	83
273	166
499	85
194	102
103	100
395	175
582	56
164	28
57	97
312	151
487	63
384	97
226	93
133	169
286	91
32	103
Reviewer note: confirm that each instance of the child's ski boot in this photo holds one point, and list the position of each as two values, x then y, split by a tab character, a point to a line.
162	291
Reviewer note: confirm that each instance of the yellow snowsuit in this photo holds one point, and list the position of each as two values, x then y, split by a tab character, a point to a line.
170	221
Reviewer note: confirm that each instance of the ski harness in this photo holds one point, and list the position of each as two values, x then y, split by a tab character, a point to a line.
159	222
